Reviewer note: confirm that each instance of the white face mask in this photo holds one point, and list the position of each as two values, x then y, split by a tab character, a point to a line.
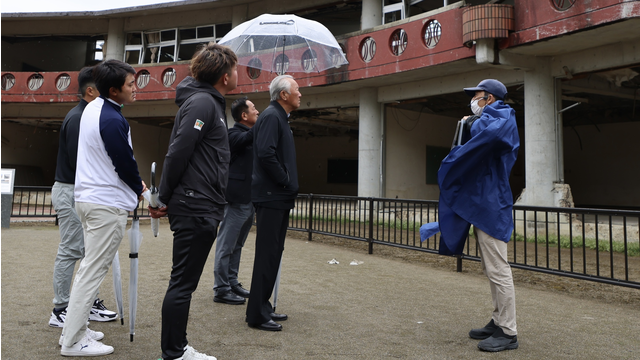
477	110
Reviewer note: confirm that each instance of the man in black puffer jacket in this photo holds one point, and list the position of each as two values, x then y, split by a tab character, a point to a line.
194	181
274	189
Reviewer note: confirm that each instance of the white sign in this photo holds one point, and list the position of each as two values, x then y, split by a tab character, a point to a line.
6	180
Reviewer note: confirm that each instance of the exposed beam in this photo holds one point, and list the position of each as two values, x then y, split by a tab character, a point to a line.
446	84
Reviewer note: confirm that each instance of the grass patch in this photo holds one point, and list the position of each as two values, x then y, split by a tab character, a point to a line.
633	249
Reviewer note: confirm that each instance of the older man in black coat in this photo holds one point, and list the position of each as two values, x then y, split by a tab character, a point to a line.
273	190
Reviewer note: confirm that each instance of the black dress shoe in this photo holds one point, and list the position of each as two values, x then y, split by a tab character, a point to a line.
268	326
228	298
279	317
240	291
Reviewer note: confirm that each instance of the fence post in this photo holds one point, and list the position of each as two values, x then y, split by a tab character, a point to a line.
458	263
310	204
370	225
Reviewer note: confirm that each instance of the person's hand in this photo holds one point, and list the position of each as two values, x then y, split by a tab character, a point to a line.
144	188
157	213
465	118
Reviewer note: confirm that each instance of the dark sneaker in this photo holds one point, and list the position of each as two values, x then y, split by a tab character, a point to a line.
485	332
57	318
99	312
228	297
499	341
240	291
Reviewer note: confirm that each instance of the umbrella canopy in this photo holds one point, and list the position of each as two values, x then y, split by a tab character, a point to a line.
135	238
284	43
117	285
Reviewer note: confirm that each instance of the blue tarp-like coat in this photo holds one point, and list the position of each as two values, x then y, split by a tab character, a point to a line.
474	182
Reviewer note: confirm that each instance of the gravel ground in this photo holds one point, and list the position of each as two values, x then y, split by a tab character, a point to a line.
396	304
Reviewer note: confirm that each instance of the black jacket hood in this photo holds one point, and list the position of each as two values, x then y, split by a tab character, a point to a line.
190	86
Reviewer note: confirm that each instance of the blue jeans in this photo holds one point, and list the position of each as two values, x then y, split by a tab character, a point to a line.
234	230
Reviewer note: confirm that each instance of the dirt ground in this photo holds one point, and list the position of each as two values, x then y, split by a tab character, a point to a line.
535	280
397	304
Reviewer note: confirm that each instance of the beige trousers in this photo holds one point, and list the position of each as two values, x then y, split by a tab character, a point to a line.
494	262
104	228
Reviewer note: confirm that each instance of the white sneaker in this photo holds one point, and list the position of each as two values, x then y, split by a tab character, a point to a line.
95	335
86	347
57	318
99	312
191	354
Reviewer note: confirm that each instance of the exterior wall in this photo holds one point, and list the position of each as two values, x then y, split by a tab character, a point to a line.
34	54
605	171
150	143
313	154
407	134
30	146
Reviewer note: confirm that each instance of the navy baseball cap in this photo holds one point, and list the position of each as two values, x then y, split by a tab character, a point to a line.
494	87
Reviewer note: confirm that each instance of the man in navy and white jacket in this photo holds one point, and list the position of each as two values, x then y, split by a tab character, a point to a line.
107	187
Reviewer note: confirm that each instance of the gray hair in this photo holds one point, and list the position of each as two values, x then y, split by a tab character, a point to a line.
278	84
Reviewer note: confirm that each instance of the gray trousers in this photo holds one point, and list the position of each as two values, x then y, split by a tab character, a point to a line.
234	230
71	248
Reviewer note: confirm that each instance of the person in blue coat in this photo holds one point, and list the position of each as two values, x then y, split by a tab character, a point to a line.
475	190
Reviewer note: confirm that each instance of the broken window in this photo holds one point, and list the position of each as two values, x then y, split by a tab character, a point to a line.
170	45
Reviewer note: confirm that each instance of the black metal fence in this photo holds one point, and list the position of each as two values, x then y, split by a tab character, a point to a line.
35	201
590	244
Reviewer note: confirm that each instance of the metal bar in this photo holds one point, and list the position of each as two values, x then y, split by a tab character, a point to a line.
310	213
611	247
584	248
558	232
524	245
535	237
546	229
597	249
371	226
571	241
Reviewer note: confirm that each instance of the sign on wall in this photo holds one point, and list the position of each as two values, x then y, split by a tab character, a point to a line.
7	176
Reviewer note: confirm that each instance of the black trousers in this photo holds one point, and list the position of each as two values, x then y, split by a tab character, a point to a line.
193	238
270	234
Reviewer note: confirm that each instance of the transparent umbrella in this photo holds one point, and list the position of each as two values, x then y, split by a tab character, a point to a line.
117	285
284	43
135	238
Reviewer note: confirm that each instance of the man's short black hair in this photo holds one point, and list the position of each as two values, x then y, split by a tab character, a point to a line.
111	73
85	79
238	107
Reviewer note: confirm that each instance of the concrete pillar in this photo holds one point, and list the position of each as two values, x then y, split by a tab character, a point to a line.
371	14
239	15
369	144
541	152
115	41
